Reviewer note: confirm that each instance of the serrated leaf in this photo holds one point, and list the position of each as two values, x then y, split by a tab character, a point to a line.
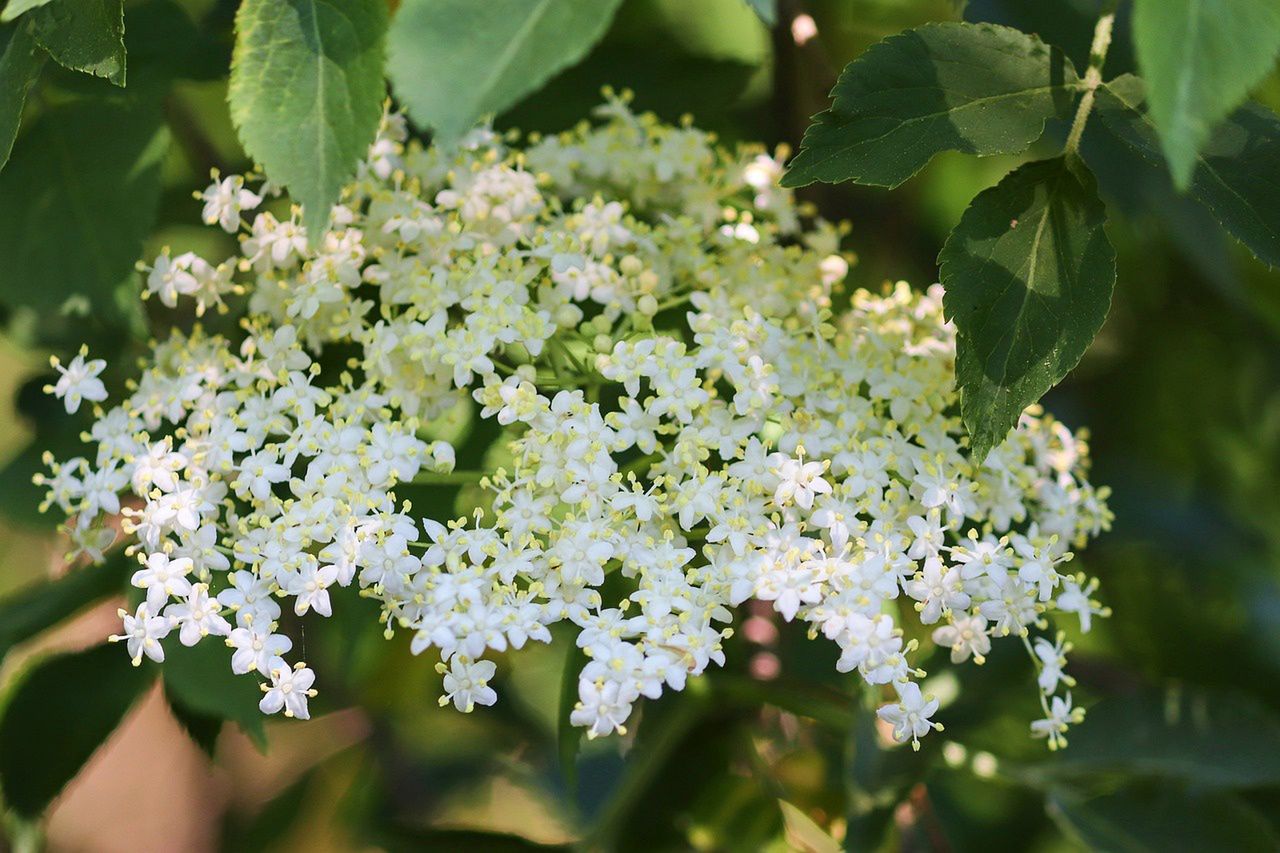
14	8
452	62
1237	172
306	93
58	715
1028	275
977	88
766	11
1200	58
199	678
88	177
37	607
84	35
20	62
1143	817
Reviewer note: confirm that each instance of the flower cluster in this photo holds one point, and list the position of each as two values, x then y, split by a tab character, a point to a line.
691	411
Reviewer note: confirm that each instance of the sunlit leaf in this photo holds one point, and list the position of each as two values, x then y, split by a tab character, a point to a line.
1200	58
454	61
306	92
978	88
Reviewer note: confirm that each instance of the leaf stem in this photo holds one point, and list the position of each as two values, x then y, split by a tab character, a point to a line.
1092	77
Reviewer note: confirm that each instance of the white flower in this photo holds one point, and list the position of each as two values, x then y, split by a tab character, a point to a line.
798	480
1059	717
143	633
290	689
198	616
466	683
163	577
224	200
256	649
965	636
910	716
78	381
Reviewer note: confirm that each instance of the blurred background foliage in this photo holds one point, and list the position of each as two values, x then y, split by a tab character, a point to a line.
1181	392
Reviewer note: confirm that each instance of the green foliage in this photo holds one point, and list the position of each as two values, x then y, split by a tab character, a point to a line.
1236	171
199	682
20	62
1142	817
84	35
58	715
1210	739
981	89
1028	274
40	606
453	61
766	10
86	207
17	7
306	93
1200	59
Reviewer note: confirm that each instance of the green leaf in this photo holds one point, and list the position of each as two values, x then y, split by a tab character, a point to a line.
59	713
1200	59
1209	739
1028	274
88	176
199	678
18	7
20	62
569	736
455	61
1141	818
978	88
84	35
306	93
1236	173
39	606
803	833
203	729
766	10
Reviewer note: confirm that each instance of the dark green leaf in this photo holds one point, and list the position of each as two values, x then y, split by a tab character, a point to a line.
1168	818
84	35
569	736
199	678
978	88
767	10
454	61
1200	58
58	715
1237	173
20	62
17	7
203	729
1028	274
78	198
39	606
1200	737
306	93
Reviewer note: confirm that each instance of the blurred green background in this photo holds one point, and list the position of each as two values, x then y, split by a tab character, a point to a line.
1180	392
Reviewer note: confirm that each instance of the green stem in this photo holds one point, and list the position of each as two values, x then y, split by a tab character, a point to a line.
1092	78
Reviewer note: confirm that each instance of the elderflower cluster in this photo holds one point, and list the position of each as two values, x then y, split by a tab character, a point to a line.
688	411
